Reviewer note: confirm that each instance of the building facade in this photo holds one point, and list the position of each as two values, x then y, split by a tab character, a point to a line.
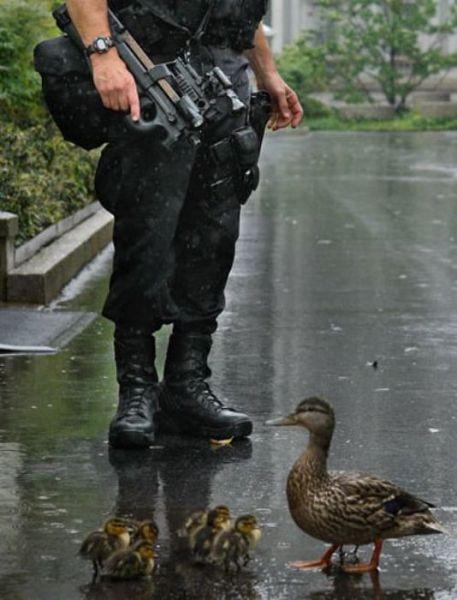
287	18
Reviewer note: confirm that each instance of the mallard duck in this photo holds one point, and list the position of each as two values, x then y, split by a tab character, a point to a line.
133	563
100	544
232	547
145	530
352	508
218	521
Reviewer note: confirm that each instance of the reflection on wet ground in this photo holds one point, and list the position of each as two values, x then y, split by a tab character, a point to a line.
347	255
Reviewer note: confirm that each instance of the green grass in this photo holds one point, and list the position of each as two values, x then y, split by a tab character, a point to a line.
408	122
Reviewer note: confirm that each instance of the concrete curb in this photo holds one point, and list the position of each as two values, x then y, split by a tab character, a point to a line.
443	110
31	331
39	279
30	248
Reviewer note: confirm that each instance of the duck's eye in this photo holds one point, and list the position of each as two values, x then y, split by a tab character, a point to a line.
314	409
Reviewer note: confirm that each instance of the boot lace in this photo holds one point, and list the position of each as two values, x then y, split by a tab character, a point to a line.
136	405
206	396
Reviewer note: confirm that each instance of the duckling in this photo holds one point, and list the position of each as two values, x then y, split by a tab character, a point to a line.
218	521
100	544
146	530
133	563
232	547
350	508
226	518
192	526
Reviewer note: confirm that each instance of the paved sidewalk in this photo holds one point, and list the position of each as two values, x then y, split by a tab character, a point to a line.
347	255
29	330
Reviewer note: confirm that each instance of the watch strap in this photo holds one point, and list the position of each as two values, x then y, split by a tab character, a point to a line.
100	45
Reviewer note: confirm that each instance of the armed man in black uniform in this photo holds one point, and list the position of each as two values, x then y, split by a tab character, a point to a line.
176	213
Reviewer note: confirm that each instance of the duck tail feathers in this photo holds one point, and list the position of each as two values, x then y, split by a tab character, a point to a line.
435	527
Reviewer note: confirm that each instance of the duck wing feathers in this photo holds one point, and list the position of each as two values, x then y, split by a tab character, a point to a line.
125	564
97	546
379	502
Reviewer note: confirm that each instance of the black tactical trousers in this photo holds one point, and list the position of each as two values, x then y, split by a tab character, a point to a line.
174	238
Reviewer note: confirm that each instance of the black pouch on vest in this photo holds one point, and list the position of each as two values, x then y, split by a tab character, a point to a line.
71	97
246	147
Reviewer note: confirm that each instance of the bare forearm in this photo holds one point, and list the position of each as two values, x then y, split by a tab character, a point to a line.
260	57
286	108
113	81
90	18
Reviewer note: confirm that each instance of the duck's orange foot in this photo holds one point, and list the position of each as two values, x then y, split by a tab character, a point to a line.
361	568
322	563
310	564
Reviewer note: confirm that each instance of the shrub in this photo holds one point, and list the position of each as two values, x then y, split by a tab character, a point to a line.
22	25
396	43
314	109
303	67
42	178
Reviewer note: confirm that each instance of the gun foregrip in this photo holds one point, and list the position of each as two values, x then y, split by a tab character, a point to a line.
149	118
153	122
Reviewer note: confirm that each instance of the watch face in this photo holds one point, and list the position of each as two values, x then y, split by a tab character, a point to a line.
101	45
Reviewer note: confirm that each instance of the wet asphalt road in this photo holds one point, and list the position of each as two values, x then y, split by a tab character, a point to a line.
347	255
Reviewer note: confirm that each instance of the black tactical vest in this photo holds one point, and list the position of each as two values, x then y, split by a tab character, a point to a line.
234	22
165	26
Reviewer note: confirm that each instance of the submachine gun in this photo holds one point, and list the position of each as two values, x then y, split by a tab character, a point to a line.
176	102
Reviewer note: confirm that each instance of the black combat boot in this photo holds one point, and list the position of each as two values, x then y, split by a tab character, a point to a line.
133	423
187	404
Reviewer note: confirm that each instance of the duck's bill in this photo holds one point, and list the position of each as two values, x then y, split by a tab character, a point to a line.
282	421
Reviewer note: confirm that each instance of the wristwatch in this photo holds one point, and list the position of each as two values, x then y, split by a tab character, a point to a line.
100	45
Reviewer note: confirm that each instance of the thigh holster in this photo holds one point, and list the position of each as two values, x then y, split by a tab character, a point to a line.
234	164
234	159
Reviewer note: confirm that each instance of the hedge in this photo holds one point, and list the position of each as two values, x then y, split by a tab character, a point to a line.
42	178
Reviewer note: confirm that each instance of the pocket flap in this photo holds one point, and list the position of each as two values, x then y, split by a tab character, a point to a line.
59	56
